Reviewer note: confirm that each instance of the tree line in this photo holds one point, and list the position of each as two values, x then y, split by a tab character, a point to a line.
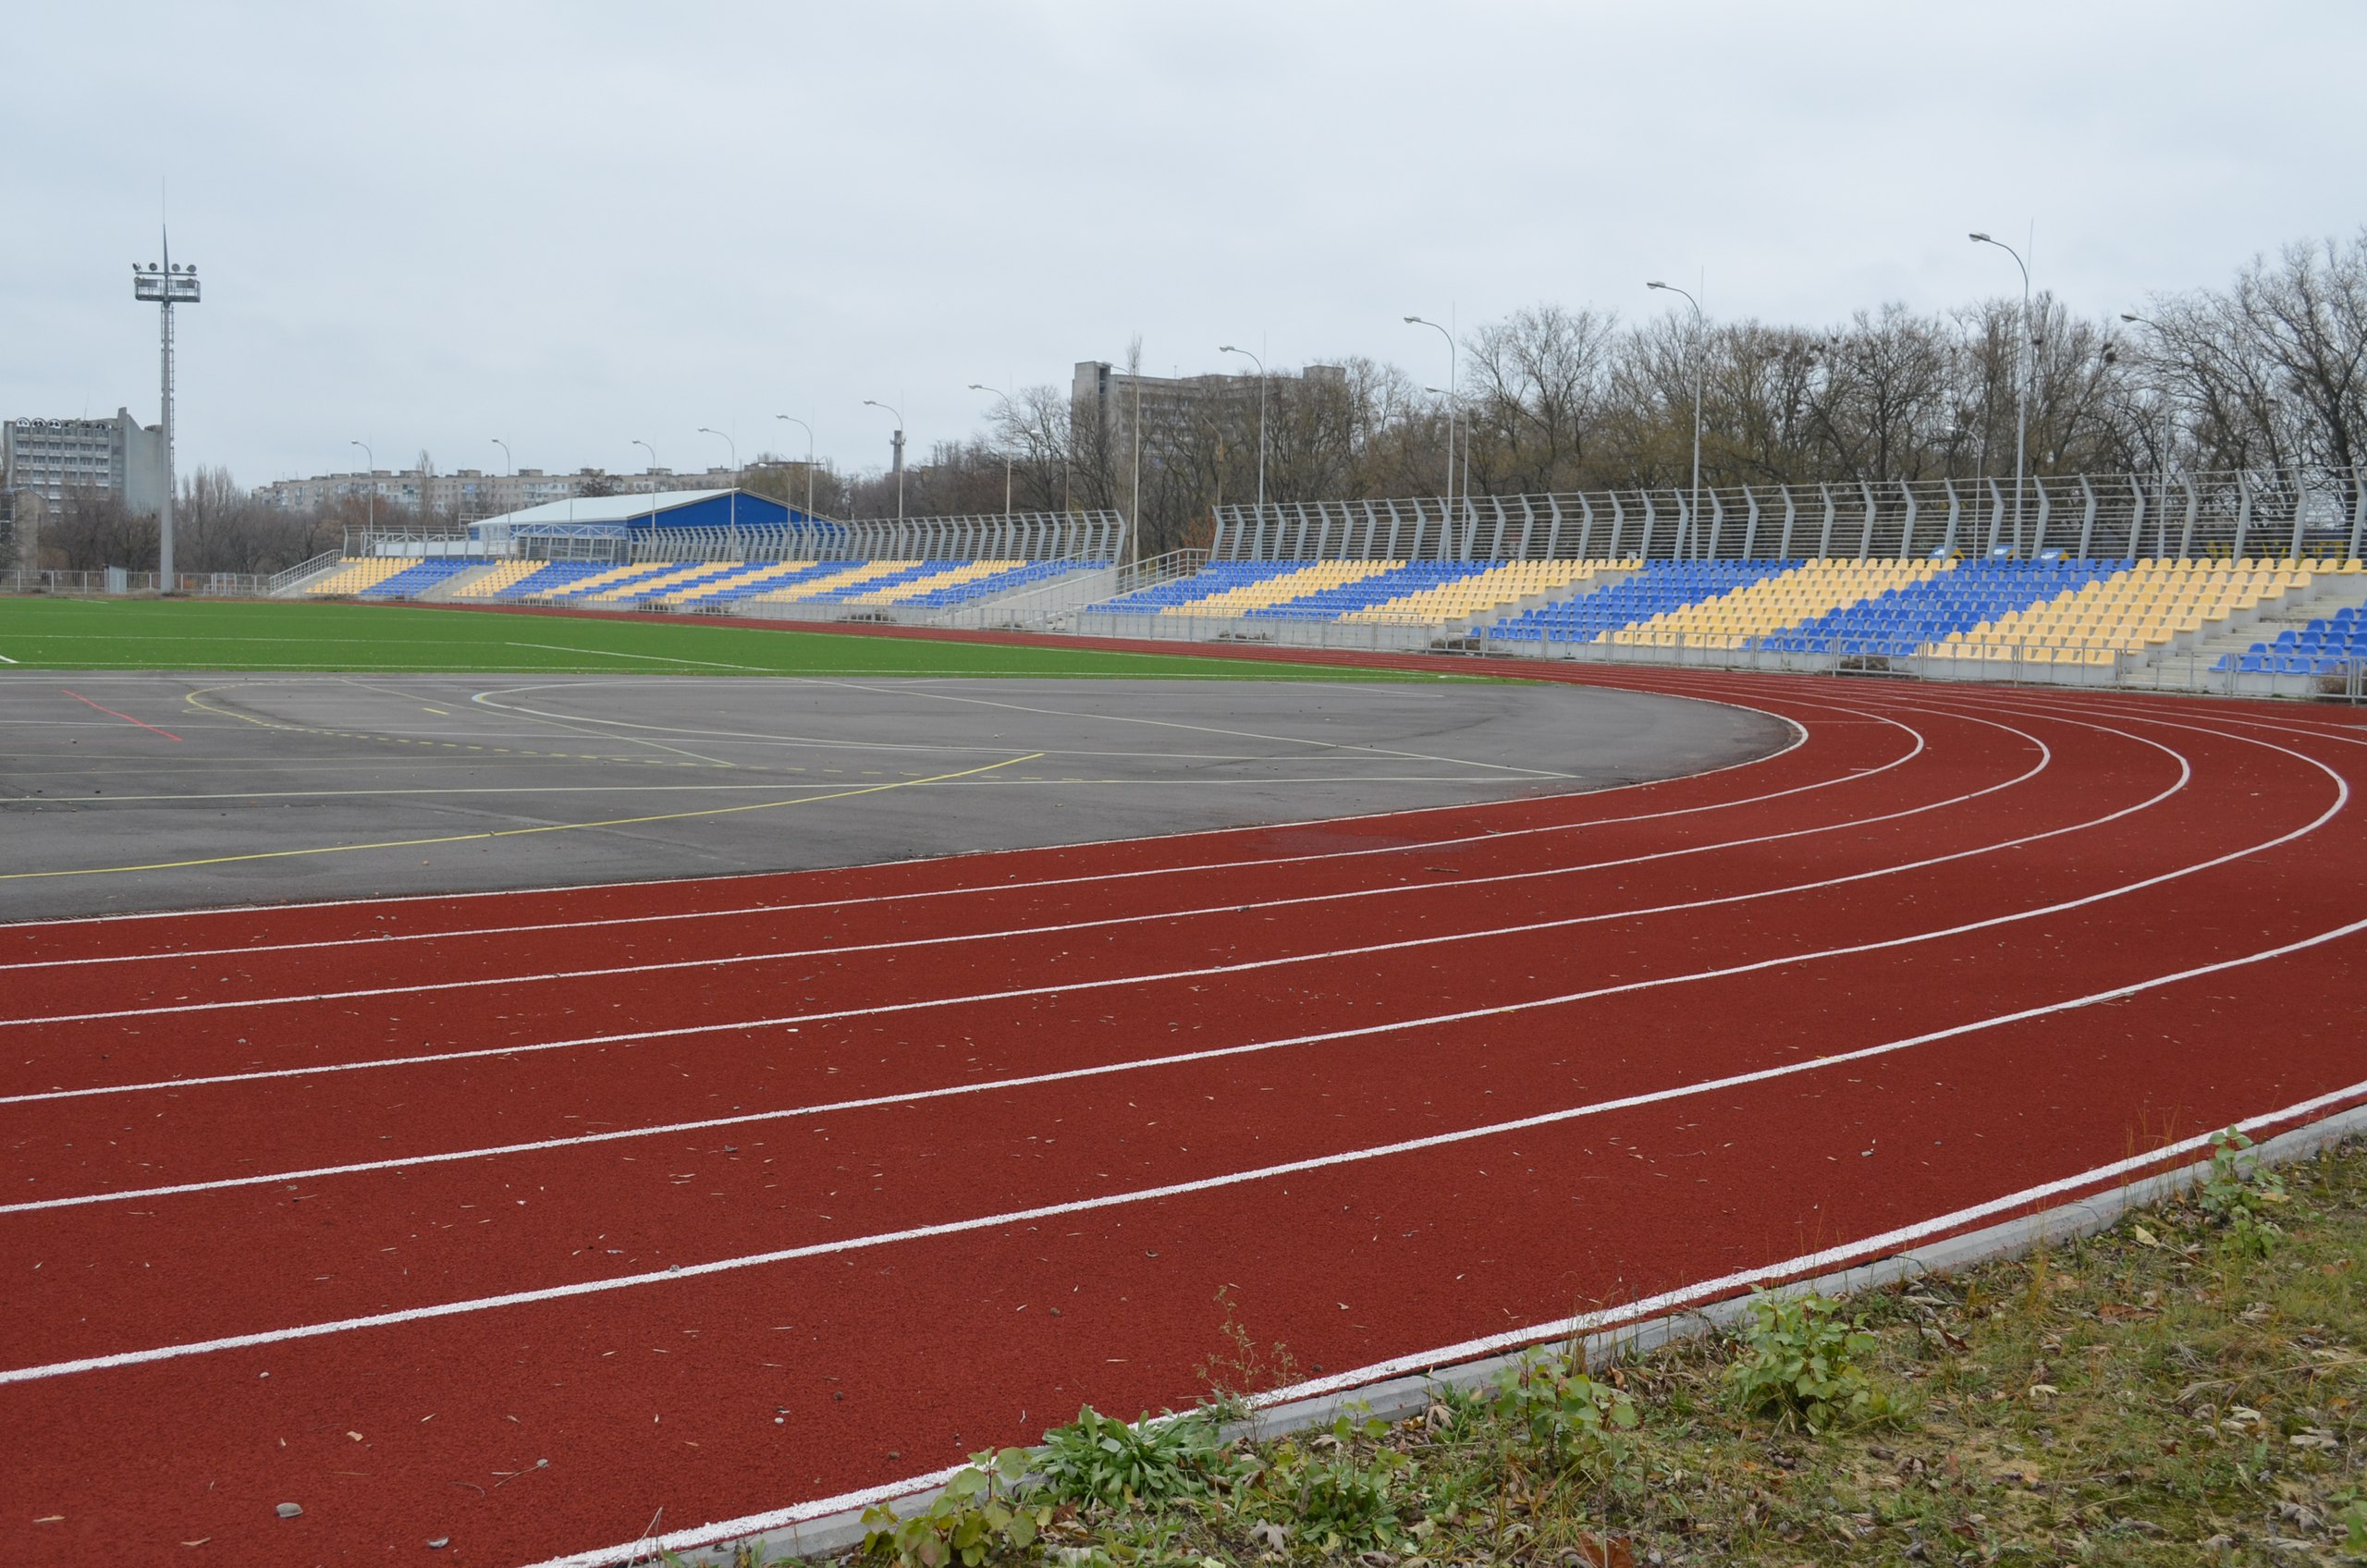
2266	372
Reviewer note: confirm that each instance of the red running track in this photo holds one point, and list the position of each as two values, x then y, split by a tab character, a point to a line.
737	1197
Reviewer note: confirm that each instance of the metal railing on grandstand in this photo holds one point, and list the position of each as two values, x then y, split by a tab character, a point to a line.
297	573
1086	535
2318	512
1054	605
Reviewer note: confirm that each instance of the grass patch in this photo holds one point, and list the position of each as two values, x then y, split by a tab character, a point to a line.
295	636
2184	1390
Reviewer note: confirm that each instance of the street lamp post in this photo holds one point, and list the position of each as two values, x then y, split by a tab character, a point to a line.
709	430
1229	349
371	457
1453	380
653	482
2161	458
1008	405
809	460
2021	380
1693	509
875	403
509	463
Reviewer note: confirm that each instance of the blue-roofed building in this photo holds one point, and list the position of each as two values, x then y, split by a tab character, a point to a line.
649	516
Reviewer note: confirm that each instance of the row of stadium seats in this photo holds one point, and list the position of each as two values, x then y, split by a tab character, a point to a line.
2334	645
1659	589
1430	592
925	584
356	574
1757	610
1931	610
2136	610
2094	611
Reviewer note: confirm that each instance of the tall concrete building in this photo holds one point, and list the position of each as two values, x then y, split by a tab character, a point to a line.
58	459
1103	397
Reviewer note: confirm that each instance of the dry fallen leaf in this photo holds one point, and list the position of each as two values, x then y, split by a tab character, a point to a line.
1607	1552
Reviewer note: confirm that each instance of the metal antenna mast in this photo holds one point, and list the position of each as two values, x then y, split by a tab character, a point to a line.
168	286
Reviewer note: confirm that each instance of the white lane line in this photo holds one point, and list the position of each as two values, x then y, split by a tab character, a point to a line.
1498	1010
6	659
661	658
1013	933
1805	1266
1915	750
1184	1189
1798	738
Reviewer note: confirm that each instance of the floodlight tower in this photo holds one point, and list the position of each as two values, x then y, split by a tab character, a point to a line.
169	285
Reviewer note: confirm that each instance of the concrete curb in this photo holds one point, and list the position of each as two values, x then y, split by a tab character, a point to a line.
1399	1397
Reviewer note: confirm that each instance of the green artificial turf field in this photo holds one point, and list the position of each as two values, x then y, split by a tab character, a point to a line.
41	633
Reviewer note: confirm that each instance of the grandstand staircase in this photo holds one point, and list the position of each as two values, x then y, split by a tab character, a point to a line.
452	585
2327	593
1602	579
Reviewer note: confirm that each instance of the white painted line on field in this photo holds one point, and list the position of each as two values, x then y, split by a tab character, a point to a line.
1240	1178
661	658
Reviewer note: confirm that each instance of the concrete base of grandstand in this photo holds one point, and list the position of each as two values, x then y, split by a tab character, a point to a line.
1364	636
2096	668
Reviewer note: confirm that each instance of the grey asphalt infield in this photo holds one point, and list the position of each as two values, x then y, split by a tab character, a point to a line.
131	792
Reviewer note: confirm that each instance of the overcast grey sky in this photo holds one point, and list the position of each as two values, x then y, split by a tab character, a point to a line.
573	225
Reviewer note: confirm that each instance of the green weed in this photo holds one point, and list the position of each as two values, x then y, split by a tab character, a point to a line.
1799	1363
1098	1458
978	1519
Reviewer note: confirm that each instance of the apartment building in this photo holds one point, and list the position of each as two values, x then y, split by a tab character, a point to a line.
59	458
470	494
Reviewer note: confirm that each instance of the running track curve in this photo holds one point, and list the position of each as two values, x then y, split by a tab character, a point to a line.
741	1197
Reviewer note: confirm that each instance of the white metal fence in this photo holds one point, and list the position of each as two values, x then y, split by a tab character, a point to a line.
116	580
2268	512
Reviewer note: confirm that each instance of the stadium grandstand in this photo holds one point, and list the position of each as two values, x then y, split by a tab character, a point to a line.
730	552
2226	581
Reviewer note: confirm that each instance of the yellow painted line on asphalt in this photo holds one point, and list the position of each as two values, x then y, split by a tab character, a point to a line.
513	832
